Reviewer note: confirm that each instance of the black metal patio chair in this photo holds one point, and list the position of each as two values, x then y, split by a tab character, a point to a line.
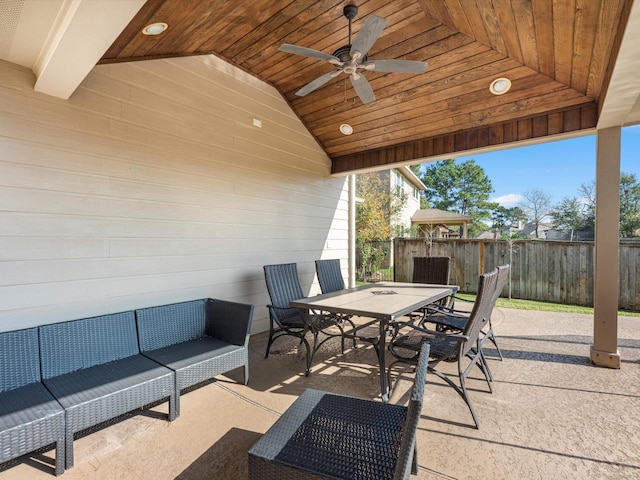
331	280
284	286
449	319
324	435
463	347
432	270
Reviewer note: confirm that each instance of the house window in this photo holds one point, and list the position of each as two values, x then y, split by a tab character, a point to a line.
399	184
416	193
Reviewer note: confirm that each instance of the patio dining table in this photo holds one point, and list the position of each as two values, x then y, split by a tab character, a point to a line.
384	302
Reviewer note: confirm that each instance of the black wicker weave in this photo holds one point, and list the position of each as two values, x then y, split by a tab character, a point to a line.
94	369
323	435
197	340
30	418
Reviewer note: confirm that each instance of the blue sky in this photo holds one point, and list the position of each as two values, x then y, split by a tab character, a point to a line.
557	168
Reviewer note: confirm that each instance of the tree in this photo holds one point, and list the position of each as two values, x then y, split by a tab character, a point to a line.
381	206
460	187
375	216
536	205
577	213
569	214
504	217
629	205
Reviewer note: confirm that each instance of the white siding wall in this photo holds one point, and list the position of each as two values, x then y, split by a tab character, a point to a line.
412	204
150	185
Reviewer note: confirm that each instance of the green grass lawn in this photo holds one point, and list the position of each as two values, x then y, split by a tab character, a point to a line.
543	306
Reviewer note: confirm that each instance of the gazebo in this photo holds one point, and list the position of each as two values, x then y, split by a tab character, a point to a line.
435	223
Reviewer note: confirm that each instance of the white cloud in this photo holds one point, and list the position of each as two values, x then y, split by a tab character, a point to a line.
508	200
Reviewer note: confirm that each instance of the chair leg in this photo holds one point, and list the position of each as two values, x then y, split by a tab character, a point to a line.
462	390
341	328
353	329
68	450
309	356
466	398
60	457
486	370
271	332
492	337
414	460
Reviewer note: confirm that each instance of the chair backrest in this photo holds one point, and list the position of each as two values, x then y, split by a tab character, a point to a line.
329	275
19	357
166	325
503	276
69	346
482	308
431	270
283	286
408	442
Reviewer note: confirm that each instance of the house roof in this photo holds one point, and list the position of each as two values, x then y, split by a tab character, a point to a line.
434	216
573	65
413	178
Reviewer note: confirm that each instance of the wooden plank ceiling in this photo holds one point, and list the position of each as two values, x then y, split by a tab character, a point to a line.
558	55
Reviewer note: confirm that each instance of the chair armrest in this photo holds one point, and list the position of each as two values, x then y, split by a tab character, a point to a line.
463	299
229	321
436	333
435	309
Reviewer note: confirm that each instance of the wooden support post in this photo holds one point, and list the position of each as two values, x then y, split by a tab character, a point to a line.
604	351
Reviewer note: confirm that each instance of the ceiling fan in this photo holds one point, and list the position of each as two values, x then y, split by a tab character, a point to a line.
353	57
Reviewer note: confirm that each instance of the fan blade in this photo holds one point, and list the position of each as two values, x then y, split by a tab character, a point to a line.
396	66
367	36
317	83
309	52
362	88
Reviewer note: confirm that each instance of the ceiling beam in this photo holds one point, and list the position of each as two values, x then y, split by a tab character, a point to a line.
581	118
83	30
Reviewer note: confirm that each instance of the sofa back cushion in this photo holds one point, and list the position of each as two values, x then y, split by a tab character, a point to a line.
69	346
19	359
166	325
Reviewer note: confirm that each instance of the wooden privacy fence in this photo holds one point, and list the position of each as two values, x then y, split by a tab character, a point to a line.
560	272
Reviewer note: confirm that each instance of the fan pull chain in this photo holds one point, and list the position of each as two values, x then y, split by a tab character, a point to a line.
353	100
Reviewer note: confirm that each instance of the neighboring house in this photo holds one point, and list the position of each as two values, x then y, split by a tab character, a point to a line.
406	182
403	181
435	223
529	230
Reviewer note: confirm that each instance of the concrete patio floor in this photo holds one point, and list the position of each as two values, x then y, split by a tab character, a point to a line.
551	415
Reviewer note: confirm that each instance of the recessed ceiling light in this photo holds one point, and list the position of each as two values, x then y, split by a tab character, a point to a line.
155	28
500	86
346	129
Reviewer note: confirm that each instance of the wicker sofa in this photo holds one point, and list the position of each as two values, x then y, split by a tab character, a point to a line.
94	368
30	418
197	340
61	378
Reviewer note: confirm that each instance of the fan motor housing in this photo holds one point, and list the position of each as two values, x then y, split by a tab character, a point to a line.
344	54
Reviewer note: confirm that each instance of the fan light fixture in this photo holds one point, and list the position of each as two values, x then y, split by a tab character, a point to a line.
346	129
155	28
500	86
